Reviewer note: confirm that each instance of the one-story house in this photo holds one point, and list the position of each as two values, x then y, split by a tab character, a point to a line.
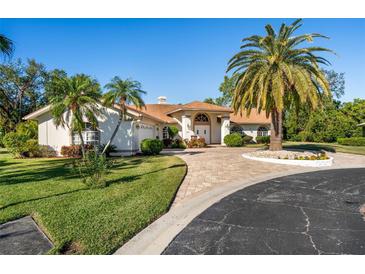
200	119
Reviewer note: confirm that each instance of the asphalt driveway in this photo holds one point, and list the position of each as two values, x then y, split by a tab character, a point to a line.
309	213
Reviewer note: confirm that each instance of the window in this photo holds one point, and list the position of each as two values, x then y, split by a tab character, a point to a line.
236	129
262	131
165	133
201	118
90	135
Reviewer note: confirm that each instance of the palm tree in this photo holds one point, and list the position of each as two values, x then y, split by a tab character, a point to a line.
79	101
6	45
276	72
122	93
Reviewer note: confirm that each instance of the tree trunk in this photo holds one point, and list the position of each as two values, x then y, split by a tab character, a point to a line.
112	137
82	144
276	137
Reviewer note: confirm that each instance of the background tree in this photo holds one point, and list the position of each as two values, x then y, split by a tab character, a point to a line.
301	118
21	91
6	46
75	103
226	88
122	92
276	71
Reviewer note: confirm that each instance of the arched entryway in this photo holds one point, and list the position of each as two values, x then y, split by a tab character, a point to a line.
202	126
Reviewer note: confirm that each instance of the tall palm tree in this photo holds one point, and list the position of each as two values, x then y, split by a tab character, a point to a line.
79	102
276	72
122	93
6	45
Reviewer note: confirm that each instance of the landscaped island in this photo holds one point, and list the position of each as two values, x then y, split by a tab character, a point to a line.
88	221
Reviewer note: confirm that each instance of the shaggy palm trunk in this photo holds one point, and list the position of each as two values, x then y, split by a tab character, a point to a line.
121	118
82	144
276	137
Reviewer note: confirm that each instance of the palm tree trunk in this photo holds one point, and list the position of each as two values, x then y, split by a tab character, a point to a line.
121	119
82	144
112	137
276	137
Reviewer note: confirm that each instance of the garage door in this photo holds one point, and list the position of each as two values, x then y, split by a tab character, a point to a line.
146	131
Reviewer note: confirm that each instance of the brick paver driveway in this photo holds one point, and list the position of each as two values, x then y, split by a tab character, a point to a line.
213	166
214	173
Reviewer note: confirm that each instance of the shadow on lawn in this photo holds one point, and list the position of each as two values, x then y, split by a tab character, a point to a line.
43	197
314	147
128	179
38	172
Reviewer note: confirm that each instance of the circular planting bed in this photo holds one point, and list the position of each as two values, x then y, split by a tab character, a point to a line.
288	157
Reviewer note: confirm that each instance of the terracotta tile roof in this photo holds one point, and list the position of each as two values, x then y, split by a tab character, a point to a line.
196	105
161	112
158	111
254	118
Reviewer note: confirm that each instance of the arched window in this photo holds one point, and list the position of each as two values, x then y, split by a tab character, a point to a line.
165	133
262	131
236	129
201	118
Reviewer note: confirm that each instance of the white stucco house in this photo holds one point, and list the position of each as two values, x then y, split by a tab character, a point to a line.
193	119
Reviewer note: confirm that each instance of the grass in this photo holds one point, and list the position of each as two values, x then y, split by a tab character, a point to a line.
330	147
88	221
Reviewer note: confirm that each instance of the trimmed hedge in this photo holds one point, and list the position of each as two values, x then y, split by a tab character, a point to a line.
233	140
151	146
353	141
247	139
263	140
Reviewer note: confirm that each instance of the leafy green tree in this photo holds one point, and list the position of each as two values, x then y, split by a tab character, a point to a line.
21	91
6	46
277	71
122	92
78	103
173	131
226	88
304	124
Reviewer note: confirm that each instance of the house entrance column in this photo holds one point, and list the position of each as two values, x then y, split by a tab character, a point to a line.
186	127
225	128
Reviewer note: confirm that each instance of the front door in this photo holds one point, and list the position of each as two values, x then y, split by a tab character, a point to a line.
203	131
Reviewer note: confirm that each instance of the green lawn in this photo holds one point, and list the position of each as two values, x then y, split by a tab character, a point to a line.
88	221
331	147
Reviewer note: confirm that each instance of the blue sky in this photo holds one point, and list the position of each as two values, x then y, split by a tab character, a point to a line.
183	59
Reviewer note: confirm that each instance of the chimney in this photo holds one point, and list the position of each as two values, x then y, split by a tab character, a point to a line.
162	99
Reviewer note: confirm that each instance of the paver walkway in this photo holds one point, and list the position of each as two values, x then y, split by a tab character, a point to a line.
23	237
209	167
310	213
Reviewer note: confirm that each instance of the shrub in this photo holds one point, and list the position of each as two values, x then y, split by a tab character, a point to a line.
247	139
74	150
31	148
233	140
353	141
15	143
28	128
173	131
71	151
196	143
93	169
47	151
178	144
167	143
111	148
151	146
263	140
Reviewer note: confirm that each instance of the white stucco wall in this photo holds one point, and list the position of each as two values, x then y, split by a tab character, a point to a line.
123	140
50	135
251	129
